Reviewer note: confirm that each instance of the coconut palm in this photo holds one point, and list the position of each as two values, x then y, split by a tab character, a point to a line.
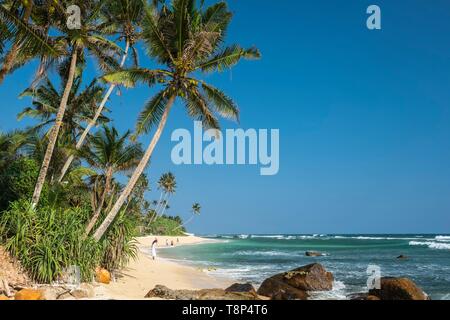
185	40
196	209
111	154
80	107
10	143
120	17
27	39
79	43
167	184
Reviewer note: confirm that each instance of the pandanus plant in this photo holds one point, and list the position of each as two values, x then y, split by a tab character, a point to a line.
186	41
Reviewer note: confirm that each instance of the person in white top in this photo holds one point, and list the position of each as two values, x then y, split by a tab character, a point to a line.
154	244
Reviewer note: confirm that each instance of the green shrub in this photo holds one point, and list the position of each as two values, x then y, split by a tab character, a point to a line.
165	226
47	241
17	181
119	245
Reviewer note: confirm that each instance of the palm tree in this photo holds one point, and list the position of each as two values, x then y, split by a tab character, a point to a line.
109	153
10	143
186	40
79	42
169	186
196	208
27	40
81	106
120	17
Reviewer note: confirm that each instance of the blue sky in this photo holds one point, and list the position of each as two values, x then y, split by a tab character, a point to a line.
364	119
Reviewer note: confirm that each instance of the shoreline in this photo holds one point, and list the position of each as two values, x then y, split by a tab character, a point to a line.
143	274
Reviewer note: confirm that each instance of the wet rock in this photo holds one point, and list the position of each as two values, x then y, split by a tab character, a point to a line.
314	254
398	289
362	297
241	287
295	284
402	257
205	294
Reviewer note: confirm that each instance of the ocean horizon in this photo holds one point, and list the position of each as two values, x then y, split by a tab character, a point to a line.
255	257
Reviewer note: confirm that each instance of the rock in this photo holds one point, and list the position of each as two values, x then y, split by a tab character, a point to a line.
362	296
402	257
205	294
314	254
83	291
241	287
293	285
28	294
3	297
398	289
102	276
312	277
276	289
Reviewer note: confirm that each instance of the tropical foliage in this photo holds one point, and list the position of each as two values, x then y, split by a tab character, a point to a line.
63	200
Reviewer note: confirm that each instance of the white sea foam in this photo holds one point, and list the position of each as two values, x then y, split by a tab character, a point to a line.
431	244
263	253
337	293
442	238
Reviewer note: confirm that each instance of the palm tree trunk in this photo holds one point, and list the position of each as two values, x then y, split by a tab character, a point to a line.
159	202
92	123
91	224
55	130
165	205
184	224
12	54
137	173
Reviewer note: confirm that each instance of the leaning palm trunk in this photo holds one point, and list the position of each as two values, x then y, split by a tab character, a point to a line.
55	130
97	212
92	123
12	54
137	173
166	203
184	224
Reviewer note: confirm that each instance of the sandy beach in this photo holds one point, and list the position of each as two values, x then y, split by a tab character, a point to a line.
143	274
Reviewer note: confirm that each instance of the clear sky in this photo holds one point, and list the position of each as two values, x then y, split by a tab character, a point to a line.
364	119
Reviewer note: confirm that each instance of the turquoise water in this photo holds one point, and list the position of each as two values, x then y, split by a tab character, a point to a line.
255	257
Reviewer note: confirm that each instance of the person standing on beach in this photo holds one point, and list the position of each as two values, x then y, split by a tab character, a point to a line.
154	244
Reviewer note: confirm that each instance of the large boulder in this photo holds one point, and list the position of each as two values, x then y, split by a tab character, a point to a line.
398	289
241	287
163	292
102	276
313	277
295	284
28	294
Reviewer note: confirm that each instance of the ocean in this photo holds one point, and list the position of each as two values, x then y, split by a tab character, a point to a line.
253	258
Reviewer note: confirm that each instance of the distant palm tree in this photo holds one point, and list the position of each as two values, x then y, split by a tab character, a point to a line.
186	40
169	186
196	209
120	17
109	153
79	42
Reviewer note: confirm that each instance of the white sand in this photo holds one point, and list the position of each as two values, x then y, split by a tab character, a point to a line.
144	274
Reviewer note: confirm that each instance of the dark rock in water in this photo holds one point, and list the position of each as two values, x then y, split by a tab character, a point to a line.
293	285
241	287
398	289
205	294
362	297
275	288
402	257
314	254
